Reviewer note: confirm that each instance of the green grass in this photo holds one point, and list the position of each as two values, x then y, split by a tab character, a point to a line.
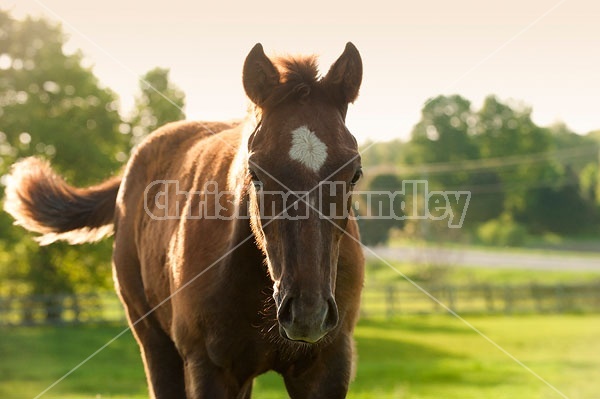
378	272
411	357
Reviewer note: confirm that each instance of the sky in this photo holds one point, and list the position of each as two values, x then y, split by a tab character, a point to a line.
543	53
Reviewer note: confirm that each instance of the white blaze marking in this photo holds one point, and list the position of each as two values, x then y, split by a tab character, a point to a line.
308	149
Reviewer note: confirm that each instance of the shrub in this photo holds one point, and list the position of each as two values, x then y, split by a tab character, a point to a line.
502	231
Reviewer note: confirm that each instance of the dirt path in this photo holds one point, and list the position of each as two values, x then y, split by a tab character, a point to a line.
489	258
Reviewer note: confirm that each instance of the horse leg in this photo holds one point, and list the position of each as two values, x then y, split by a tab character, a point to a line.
203	379
327	377
162	363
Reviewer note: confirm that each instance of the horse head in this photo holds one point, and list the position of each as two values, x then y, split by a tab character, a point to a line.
302	163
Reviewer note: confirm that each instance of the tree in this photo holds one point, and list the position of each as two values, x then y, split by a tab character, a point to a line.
505	160
590	183
538	190
377	231
53	107
507	131
158	103
444	133
564	137
560	209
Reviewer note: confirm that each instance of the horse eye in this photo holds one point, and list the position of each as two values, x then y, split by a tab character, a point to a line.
255	180
356	177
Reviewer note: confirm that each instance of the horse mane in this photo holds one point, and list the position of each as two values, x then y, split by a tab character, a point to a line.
298	78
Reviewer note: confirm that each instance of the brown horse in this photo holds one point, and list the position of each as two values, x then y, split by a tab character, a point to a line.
227	263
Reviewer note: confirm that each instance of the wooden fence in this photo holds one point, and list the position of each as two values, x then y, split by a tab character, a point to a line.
61	309
392	300
378	301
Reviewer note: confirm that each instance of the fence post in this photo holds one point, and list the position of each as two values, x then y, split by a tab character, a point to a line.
560	298
390	299
508	299
488	294
451	297
538	297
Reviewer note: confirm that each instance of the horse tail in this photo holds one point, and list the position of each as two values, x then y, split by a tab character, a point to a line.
42	202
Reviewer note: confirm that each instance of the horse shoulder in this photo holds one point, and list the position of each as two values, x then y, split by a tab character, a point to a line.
143	238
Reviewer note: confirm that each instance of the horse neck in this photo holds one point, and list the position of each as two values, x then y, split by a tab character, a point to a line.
242	237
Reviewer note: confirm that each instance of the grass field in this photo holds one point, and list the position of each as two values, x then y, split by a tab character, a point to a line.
407	357
410	357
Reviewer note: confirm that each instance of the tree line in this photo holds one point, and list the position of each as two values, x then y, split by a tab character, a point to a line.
523	178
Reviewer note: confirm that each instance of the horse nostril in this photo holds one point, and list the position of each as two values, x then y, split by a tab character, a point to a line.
284	313
332	316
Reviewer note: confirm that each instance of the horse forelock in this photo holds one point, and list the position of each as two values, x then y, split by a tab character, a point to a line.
298	78
298	69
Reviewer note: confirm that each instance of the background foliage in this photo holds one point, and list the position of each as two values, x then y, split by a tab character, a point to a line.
53	107
525	179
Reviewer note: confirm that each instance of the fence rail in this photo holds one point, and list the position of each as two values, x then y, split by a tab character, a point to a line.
391	300
377	301
60	309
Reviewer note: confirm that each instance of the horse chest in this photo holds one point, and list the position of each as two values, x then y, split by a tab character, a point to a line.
240	348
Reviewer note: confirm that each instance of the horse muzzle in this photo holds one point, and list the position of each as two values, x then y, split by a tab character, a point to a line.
307	318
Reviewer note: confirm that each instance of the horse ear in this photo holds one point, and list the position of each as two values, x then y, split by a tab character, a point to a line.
260	76
345	75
